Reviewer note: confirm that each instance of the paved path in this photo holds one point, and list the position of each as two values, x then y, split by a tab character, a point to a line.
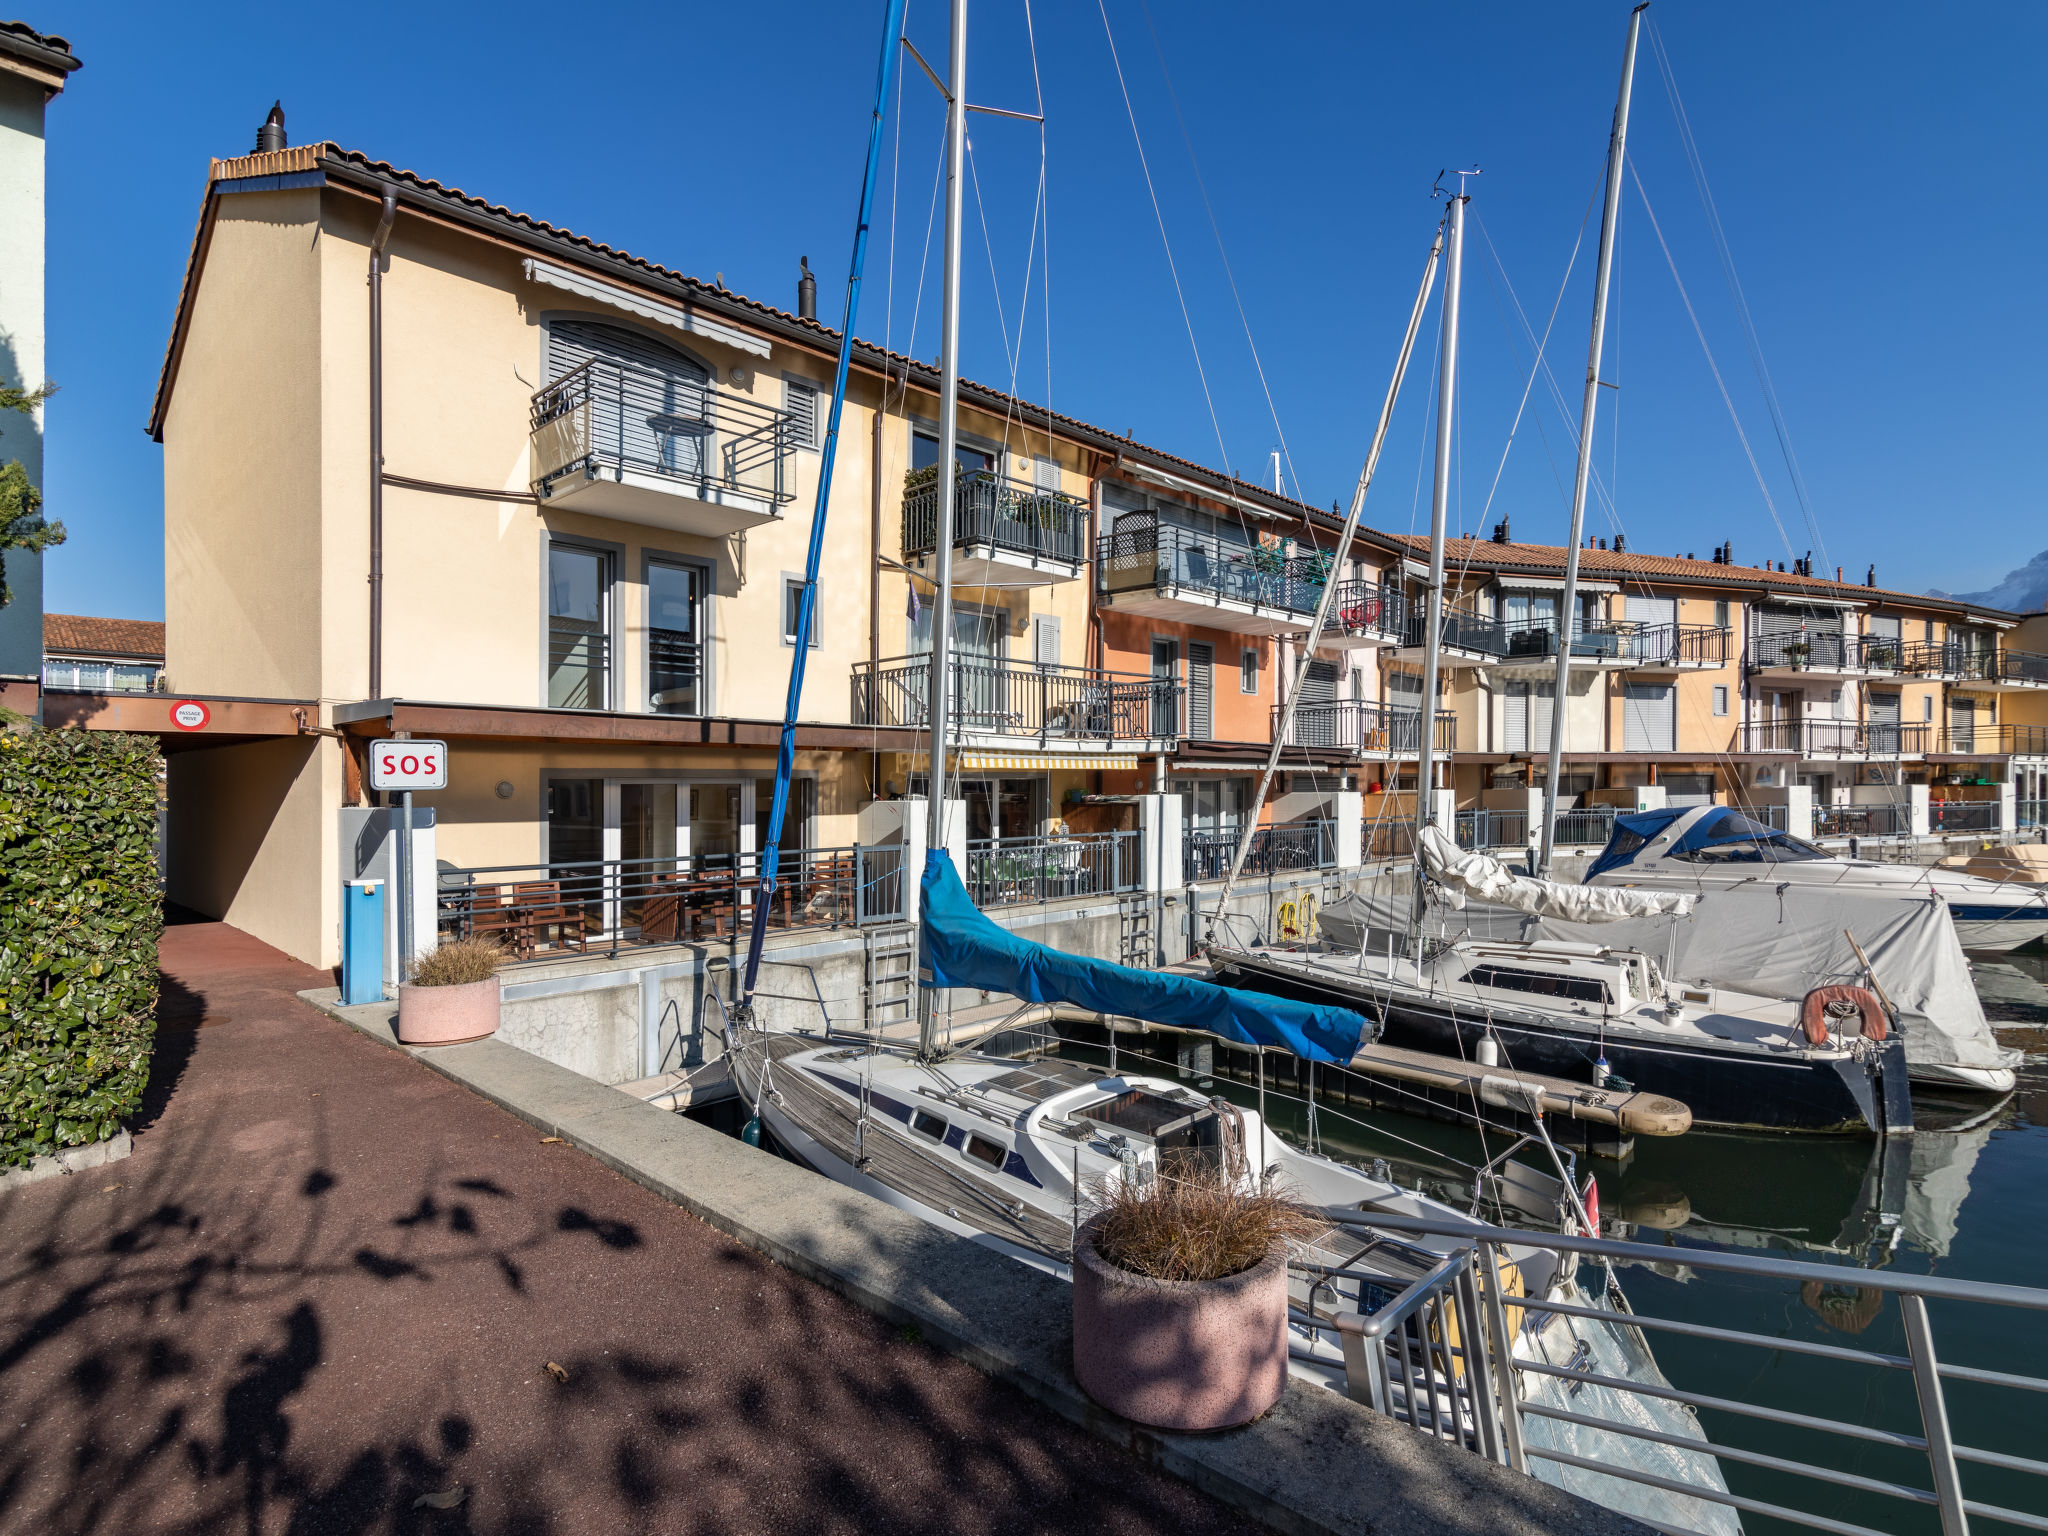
329	1281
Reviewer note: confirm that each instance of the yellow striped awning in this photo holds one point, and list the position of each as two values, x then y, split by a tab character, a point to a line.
1041	762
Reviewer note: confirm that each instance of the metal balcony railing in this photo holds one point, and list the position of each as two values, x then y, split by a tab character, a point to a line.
1175	561
1022	698
1995	740
1365	727
1836	738
1889	819
1368	608
1464	629
675	673
1004	514
607	414
579	667
1531	638
1274	850
1827	650
1010	871
1962	816
61	676
1483	828
1970	663
1676	645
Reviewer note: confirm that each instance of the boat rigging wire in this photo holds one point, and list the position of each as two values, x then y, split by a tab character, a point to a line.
1742	311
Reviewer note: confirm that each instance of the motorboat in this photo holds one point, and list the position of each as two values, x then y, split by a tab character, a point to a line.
1700	848
1603	1015
1007	1153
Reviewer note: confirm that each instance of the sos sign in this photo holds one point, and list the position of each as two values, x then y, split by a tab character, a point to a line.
409	765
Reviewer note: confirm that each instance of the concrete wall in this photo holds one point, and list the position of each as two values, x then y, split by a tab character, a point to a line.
22	360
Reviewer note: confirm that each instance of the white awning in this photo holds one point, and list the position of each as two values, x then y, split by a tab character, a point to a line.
680	316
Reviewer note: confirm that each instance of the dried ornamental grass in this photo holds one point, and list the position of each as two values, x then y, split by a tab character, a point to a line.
456	962
1195	1228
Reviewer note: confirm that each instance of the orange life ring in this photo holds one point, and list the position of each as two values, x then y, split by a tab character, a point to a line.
1818	1004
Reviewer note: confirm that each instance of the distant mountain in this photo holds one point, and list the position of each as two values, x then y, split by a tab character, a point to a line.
2022	591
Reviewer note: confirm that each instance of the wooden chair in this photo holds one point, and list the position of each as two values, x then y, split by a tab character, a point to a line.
487	917
541	909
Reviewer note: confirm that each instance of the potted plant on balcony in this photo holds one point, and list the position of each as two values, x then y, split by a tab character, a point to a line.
1881	658
452	995
1180	1297
1796	653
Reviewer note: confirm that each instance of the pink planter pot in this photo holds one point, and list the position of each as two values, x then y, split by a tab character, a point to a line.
447	1015
1180	1354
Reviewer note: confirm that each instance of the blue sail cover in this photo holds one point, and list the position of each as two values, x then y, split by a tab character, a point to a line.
959	947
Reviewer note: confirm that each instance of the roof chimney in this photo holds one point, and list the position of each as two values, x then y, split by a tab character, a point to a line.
1871	579
270	137
806	292
1838	573
1620	542
1500	532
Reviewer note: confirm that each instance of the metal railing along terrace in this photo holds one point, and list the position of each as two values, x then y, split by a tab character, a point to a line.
1890	818
1962	816
1022	698
1486	828
1171	560
1365	727
1827	650
1970	663
1995	740
1400	1360
543	911
62	676
1010	871
1003	514
612	414
1835	738
1675	645
1368	608
1274	850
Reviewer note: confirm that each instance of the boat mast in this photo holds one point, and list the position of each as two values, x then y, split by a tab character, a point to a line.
1610	217
1315	630
939	670
1439	512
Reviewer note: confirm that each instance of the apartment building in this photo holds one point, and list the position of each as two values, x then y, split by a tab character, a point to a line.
574	549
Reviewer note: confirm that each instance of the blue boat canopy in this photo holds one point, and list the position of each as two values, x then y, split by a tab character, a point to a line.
1719	827
959	947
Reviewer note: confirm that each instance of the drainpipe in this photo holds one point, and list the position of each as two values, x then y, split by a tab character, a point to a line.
875	582
377	240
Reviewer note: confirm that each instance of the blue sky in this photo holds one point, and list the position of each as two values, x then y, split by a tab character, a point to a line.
1876	169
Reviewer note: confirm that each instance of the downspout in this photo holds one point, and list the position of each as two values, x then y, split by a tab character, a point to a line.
875	584
385	219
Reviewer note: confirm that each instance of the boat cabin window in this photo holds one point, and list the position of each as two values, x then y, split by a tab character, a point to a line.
931	1124
1509	978
1773	848
990	1152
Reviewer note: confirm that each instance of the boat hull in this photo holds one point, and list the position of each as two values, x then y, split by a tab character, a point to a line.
1725	1088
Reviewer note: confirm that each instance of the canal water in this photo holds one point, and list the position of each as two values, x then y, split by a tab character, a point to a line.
1966	1198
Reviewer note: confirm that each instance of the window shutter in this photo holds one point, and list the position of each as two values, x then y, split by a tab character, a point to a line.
1045	640
801	401
1201	690
1649	717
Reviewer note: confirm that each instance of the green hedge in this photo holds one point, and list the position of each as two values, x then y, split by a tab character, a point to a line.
80	913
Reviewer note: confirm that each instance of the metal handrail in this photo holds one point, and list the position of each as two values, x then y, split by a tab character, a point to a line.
1008	871
1164	558
993	696
989	509
1365	726
1912	1293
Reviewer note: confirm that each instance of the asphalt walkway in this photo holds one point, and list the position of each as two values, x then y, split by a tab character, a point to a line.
330	1283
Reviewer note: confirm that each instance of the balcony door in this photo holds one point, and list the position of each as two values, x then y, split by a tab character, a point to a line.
977	696
1166	672
579	627
675	639
1884	722
650	406
1315	718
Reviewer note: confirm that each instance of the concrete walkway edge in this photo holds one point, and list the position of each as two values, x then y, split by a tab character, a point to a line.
1317	1465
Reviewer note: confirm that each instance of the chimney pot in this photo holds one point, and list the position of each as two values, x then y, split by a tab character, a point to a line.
806	292
270	137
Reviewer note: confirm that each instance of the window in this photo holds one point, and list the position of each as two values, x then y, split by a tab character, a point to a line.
1508	978
1926	706
675	639
579	627
800	399
1928	631
1720	613
981	1148
792	604
924	452
1720	698
932	1125
1247	670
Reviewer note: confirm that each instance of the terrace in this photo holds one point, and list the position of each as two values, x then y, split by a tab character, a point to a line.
1161	571
1005	533
1017	701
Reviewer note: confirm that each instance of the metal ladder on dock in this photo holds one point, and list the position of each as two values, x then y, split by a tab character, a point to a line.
1134	945
888	989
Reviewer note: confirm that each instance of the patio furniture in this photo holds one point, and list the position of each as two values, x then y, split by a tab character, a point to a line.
541	909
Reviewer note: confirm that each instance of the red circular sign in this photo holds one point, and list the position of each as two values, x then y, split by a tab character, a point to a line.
190	715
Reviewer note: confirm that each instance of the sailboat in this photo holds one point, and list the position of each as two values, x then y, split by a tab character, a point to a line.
1006	1153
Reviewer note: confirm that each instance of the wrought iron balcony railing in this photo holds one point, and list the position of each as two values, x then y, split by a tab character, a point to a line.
1676	645
1826	650
607	414
1836	738
1365	727
1166	559
1370	609
1022	698
1004	514
1995	740
1969	663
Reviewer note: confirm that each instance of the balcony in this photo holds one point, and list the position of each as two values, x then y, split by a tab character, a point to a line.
1366	728
62	675
1676	647
1533	644
1470	638
1004	533
1364	615
1022	703
1835	740
1825	653
1164	572
641	446
1994	741
1987	671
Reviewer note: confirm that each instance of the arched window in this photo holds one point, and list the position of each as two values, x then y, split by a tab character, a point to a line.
650	405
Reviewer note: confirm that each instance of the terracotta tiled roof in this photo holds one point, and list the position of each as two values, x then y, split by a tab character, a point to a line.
73	634
45	48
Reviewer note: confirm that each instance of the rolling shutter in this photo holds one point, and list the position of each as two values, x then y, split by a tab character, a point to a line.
1201	690
1649	717
1652	610
1527	711
652	409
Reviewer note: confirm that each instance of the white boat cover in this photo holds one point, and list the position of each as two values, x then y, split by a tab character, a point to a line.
1464	874
1770	940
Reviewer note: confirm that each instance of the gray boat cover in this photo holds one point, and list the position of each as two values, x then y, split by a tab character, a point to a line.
1463	873
1775	941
